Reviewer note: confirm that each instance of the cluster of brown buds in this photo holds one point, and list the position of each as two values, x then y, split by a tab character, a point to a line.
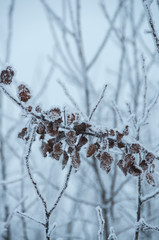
63	135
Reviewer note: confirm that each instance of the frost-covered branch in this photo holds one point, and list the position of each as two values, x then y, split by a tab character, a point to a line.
151	23
29	217
32	136
112	235
150	196
62	191
101	223
146	227
100	99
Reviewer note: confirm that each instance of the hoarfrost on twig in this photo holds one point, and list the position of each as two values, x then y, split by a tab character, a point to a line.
112	235
101	223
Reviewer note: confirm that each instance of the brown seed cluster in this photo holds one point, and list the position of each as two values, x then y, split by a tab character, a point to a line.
63	136
7	76
23	93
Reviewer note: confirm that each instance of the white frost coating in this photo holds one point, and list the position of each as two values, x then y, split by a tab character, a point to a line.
146	227
149	196
112	235
101	223
148	12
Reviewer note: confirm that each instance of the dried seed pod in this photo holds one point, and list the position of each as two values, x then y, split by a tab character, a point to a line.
57	151
111	132
23	93
50	145
23	133
38	109
41	128
71	138
65	159
80	128
143	165
7	76
129	160
120	164
52	127
135	170
121	145
91	149
44	148
119	136
150	180
126	130
106	161
111	143
149	157
75	159
29	108
70	150
70	119
135	148
82	141
54	113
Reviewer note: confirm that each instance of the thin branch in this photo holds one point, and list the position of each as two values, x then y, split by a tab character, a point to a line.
101	223
32	136
112	235
100	99
149	196
146	227
145	84
31	218
151	24
62	191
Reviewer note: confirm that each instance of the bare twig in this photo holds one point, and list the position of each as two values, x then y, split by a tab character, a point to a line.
149	196
29	217
151	24
101	223
62	191
100	99
146	227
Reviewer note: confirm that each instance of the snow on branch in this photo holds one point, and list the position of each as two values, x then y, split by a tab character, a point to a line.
112	235
146	227
151	23
62	191
150	196
101	223
72	130
29	217
100	99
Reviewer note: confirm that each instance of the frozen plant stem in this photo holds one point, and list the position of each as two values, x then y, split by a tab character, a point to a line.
47	213
101	223
138	207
